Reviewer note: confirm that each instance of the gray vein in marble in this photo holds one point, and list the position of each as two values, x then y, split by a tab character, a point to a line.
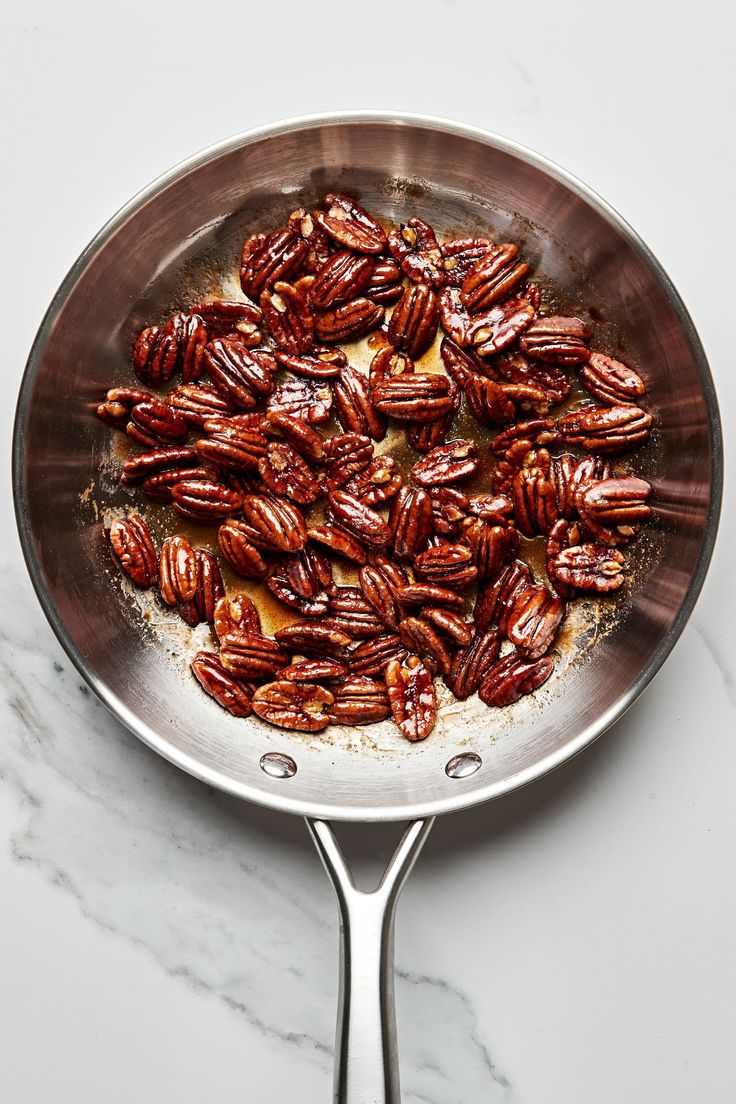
729	681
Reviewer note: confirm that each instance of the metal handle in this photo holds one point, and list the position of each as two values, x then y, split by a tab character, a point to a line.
366	1054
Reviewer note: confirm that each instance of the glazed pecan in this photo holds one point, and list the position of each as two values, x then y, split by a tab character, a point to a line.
449	565
606	429
284	472
446	464
426	436
591	469
611	381
309	572
208	592
318	242
309	400
452	625
562	474
414	247
490	546
301	706
190	335
133	545
196	402
242	556
547	378
238	374
344	276
533	620
227	691
414	322
497	596
358	519
238	612
557	340
270	257
273	523
282	589
379	593
461	365
517	456
410	522
322	363
493	276
159	485
350	613
593	567
314	638
354	405
497	509
348	321
159	459
360	700
386	363
338	541
289	318
155	355
315	670
205	502
414	398
177	571
119	401
449	509
153	422
233	447
412	697
512	677
563	534
461	254
499	326
225	316
346	455
430	594
614	509
250	655
350	225
385	283
421	638
536	431
472	663
377	482
535	501
489	402
302	437
372	657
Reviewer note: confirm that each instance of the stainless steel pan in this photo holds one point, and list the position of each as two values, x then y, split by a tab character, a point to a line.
178	237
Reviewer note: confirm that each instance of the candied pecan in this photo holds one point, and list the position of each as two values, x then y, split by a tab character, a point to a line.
128	396
591	469
346	454
414	398
314	638
488	401
360	700
196	402
563	534
250	655
238	374
385	282
512	677
372	657
233	447
301	706
177	571
284	472
420	594
414	246
338	541
606	429
499	326
490	546
227	691
535	501
412	697
472	663
380	595
426	436
273	523
493	276
533	620
322	363
203	501
547	378
461	254
238	612
377	482
159	485
208	592
614	509
224	316
190	334
354	405
243	557
533	293
453	316
155	354
460	364
270	257
593	567
283	590
133	545
318	242
494	508
557	340
450	565
446	464
386	363
410	522
309	400
451	624
539	431
414	322
344	276
302	437
163	458
153	422
348	321
350	613
449	509
314	670
496	597
562	474
513	460
422	639
289	317
611	381
358	519
309	572
350	225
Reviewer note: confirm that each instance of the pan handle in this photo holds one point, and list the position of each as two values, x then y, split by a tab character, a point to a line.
366	1054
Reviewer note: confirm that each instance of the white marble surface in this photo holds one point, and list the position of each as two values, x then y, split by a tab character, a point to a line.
570	945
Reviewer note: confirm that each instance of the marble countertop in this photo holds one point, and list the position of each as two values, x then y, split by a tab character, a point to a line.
571	944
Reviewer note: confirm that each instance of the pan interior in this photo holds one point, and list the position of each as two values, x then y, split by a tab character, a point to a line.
180	242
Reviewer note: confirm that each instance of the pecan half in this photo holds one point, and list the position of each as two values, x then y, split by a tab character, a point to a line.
307	399
499	326
422	639
190	334
346	455
536	431
414	246
493	276
454	318
350	225
354	405
461	364
273	523
472	663
594	567
563	534
159	459
238	374
489	402
344	276
249	655
386	363
606	429
412	697
322	363
512	677
557	340
314	670
209	590
377	482
547	378
233	447
350	613
303	224
339	542
348	321
611	381
533	620
422	397
614	509
360	700
154	355
372	657
159	485
224	316
153	422
177	571
119	402
535	501
490	546
282	589
284	472
289	318
430	594
227	691
314	638
461	254
414	322
309	572
358	519
196	402
301	706
446	464
238	612
498	595
133	545
449	565
385	283
302	437
562	474
204	502
449	509
450	624
270	257
410	522
243	557
380	595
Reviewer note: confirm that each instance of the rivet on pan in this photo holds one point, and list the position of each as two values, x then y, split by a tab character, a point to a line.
278	765
462	766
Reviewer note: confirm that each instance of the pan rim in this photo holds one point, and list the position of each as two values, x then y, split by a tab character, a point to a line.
280	801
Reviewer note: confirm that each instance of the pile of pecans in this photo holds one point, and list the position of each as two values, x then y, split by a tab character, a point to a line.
244	451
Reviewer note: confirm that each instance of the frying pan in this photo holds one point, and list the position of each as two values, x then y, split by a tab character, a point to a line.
179	240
